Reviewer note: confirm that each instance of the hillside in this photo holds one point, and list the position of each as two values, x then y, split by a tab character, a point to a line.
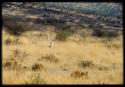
91	14
62	43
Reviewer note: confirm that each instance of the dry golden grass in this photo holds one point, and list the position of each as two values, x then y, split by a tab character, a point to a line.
107	56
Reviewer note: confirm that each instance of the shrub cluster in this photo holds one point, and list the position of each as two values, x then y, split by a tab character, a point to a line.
105	33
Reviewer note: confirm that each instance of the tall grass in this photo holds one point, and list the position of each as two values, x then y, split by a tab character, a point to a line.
35	79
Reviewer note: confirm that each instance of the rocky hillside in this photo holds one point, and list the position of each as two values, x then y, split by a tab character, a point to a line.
94	15
104	9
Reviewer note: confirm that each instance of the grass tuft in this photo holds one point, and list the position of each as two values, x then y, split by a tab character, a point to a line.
37	66
86	64
50	58
79	74
35	79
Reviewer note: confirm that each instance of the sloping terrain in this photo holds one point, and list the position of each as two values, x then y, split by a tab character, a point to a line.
85	49
51	14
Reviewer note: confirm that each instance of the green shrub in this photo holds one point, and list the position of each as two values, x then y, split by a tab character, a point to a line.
98	33
14	25
14	28
62	35
105	33
112	34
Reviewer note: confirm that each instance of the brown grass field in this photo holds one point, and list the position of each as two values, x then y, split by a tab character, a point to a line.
27	59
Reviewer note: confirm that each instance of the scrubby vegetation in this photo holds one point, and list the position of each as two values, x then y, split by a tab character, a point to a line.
86	64
105	33
38	57
79	74
36	67
14	27
79	54
13	41
36	79
63	33
50	58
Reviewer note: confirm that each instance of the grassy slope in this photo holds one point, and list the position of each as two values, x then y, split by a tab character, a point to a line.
69	54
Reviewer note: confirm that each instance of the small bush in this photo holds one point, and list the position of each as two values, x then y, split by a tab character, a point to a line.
79	74
12	65
14	41
39	35
16	52
116	46
50	58
101	68
14	27
112	34
62	35
8	41
66	27
112	45
105	33
7	64
37	66
19	55
85	64
109	39
17	27
98	33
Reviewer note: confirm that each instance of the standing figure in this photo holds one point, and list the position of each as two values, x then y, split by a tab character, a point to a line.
50	42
